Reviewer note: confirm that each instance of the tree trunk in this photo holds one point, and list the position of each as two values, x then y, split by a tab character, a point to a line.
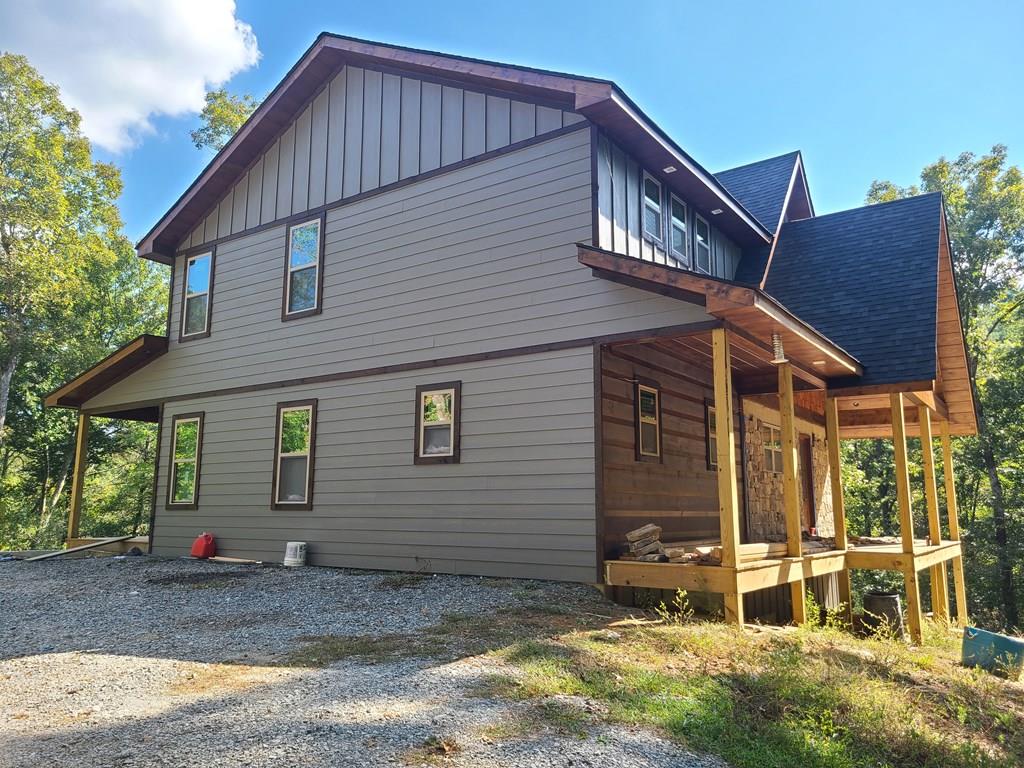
6	374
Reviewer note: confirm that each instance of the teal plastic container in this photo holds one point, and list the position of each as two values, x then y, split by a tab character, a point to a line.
993	652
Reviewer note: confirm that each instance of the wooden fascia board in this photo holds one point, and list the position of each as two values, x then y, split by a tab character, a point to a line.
154	345
791	323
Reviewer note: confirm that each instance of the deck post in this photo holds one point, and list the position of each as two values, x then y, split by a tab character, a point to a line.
728	495
959	587
940	596
790	487
899	444
78	476
838	504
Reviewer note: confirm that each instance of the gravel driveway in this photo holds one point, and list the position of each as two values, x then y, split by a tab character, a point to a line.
144	661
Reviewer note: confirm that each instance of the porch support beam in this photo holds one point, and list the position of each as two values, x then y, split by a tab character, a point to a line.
899	440
78	475
835	466
940	597
728	496
790	488
959	587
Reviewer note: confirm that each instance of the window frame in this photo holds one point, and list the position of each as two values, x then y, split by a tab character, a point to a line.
640	385
684	257
189	257
710	434
295	223
455	457
659	237
711	256
775	450
283	407
200	418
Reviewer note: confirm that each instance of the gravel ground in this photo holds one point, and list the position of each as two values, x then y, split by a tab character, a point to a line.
143	661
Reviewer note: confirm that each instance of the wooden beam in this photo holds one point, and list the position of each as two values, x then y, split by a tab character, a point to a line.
790	487
78	475
835	471
728	494
899	442
688	576
959	584
940	598
82	548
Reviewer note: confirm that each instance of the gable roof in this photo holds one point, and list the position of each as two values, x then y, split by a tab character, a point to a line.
867	278
762	186
600	101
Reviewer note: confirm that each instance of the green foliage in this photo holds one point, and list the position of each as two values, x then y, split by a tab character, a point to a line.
223	114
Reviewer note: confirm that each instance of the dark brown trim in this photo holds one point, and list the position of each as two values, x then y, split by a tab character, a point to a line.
599	521
307	505
456	456
156	478
595	201
212	250
137	352
712	463
312	213
641	381
170	299
687	329
296	222
194	504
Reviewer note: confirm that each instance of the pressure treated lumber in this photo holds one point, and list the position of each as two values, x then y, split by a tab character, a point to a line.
78	475
940	598
728	497
835	471
790	488
959	586
93	545
899	443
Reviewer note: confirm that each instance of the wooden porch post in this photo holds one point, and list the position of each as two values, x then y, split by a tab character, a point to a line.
78	475
899	442
940	597
790	488
728	496
838	504
959	587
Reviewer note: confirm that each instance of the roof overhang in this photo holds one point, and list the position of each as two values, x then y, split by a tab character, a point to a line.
601	101
746	309
107	372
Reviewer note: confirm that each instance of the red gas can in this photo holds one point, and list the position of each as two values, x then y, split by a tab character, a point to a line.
204	546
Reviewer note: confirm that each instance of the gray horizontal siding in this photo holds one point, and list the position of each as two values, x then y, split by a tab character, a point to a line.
477	260
520	503
367	129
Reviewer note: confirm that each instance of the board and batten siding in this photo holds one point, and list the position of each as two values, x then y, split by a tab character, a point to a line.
620	208
521	503
479	259
364	130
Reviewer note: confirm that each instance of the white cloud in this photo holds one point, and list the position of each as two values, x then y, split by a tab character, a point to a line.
122	62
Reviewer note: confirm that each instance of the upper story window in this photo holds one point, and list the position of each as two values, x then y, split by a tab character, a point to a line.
771	441
648	422
437	423
293	463
195	300
678	230
702	244
652	208
186	448
303	270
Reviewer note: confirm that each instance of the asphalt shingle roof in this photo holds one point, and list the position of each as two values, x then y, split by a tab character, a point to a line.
868	279
761	187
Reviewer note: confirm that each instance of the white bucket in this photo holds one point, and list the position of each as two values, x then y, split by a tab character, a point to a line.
295	553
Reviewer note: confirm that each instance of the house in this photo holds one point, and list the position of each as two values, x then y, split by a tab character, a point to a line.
436	313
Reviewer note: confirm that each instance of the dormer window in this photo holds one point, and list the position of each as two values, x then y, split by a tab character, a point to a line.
303	272
702	244
652	208
195	300
678	230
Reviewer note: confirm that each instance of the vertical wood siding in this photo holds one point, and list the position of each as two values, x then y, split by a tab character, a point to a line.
367	129
520	503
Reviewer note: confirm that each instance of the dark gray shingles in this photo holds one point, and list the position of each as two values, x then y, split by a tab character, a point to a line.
761	187
868	279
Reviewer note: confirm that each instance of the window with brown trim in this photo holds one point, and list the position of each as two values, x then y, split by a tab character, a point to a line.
438	425
186	457
771	442
196	296
294	455
711	435
651	198
678	230
303	269
701	244
648	421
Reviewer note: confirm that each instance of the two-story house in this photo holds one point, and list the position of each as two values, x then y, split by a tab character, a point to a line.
435	313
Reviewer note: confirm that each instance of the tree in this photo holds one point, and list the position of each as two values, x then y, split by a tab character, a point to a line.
985	208
222	116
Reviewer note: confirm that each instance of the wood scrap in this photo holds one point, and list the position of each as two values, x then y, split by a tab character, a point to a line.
647	531
645	547
93	545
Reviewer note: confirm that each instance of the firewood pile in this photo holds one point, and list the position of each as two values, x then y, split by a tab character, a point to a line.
644	545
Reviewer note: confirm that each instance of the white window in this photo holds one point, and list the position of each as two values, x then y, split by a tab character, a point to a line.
437	423
771	441
711	425
303	273
195	305
702	244
652	208
678	230
293	466
186	442
648	418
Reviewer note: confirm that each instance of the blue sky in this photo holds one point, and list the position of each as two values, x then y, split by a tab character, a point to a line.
866	90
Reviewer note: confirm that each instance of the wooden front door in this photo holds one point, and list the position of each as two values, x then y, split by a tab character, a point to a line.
804	467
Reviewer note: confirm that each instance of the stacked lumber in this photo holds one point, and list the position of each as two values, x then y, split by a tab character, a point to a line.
644	545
